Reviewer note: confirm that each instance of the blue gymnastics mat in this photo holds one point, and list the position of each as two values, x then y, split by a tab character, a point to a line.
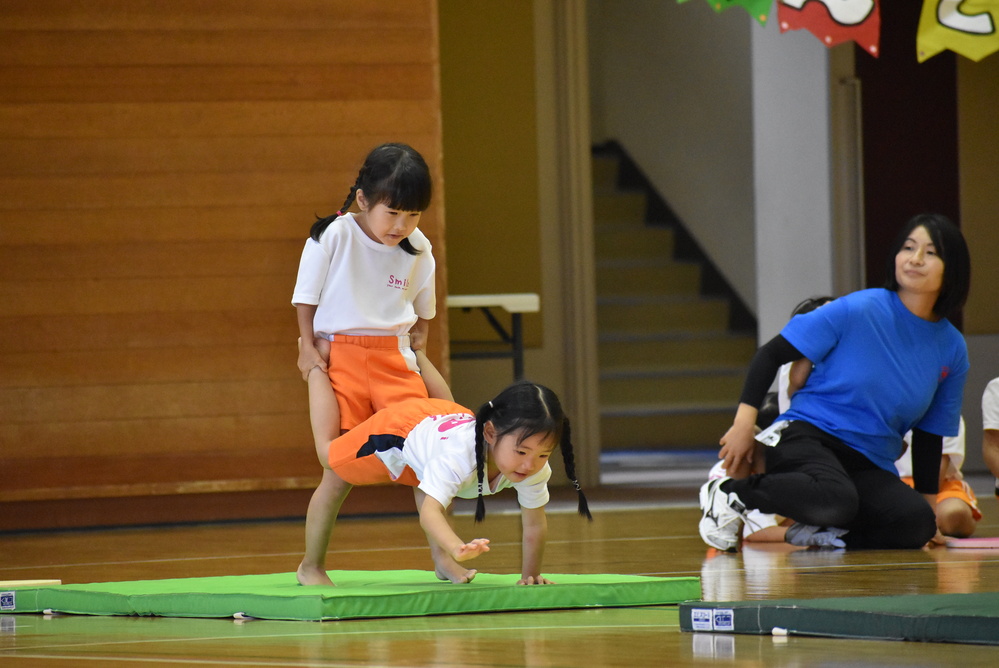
955	618
358	595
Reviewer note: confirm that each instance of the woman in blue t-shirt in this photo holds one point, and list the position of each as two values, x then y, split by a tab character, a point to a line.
886	360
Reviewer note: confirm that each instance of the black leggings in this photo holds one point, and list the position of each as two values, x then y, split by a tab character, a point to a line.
814	478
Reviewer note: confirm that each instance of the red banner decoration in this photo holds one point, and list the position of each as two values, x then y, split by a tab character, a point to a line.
834	21
967	27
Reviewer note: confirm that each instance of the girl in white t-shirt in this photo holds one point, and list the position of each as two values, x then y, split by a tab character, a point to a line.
364	296
445	451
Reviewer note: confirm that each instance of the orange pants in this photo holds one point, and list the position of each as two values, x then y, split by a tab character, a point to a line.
369	373
352	456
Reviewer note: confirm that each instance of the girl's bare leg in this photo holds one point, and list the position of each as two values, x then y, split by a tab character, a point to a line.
324	507
324	413
445	566
436	385
323	510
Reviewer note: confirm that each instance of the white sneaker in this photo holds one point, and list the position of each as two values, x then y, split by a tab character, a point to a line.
723	516
807	535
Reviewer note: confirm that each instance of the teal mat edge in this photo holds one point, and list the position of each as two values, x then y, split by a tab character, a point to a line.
953	618
361	595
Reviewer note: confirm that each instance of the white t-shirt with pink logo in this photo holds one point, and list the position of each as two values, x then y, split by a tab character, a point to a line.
441	452
364	288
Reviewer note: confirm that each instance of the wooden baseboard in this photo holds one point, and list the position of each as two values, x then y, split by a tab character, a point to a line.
16	516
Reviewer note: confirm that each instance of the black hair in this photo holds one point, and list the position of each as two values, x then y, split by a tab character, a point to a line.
952	249
529	409
810	304
395	175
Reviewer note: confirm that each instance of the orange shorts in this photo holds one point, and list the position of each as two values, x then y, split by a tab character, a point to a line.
955	489
370	372
352	456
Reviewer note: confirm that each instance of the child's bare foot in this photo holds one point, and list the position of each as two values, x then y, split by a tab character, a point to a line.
454	572
313	576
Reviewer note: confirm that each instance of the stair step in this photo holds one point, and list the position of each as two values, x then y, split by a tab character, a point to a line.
665	425
618	348
605	172
670	370
652	277
619	205
671	385
624	240
641	313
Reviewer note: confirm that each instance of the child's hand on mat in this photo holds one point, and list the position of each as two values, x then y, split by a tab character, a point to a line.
471	549
535	580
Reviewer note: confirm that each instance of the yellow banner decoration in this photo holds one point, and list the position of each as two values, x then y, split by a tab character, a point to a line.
967	27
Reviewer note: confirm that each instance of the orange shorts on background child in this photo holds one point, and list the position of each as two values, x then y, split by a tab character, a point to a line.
955	489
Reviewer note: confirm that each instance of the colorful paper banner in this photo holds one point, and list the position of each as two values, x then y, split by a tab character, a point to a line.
834	21
967	27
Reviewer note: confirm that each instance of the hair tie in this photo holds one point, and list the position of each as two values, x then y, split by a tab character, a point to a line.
575	483
491	405
339	213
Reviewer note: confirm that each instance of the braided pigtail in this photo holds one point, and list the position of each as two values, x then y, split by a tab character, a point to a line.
321	224
569	461
480	459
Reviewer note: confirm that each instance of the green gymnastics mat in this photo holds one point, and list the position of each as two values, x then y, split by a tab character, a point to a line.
956	618
358	595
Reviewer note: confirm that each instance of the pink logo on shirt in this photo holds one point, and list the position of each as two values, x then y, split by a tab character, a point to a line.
454	422
398	283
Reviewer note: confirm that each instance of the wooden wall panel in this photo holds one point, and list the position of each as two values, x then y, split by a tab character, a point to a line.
160	167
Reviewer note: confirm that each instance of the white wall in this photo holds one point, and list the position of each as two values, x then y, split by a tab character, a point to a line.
792	173
672	84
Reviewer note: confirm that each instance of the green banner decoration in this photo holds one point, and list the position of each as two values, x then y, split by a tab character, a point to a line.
758	9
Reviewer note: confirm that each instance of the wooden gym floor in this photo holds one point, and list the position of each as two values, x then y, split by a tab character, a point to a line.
635	531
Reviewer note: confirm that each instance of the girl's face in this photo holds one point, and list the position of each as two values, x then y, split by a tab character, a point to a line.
383	224
515	458
919	269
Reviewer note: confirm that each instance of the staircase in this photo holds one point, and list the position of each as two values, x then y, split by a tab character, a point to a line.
674	341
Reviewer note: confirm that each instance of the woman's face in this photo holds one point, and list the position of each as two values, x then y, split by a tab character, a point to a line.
919	269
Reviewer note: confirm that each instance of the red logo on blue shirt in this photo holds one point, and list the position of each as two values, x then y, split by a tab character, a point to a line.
944	372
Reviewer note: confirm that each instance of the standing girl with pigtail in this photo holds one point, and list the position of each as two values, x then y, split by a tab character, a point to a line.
445	451
364	296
